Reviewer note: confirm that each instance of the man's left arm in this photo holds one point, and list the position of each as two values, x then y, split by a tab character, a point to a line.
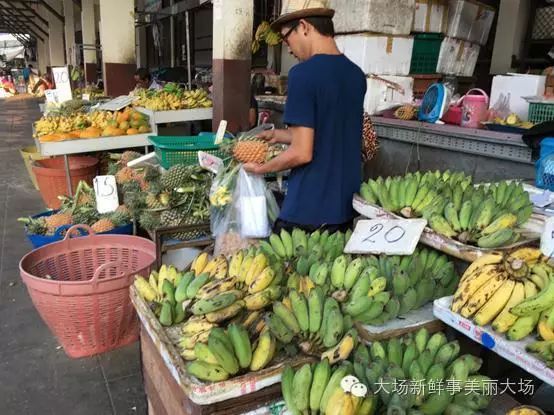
299	152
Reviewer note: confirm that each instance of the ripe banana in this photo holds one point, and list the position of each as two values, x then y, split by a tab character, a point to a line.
262	281
199	264
505	318
264	352
472	282
482	295
225	313
235	264
343	349
220	301
261	299
495	304
145	289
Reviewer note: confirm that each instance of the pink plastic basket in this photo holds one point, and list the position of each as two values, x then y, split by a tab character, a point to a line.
80	287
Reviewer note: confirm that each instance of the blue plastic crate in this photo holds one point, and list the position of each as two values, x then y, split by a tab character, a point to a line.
40	240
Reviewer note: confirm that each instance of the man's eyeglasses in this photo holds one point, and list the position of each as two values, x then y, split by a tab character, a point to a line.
288	33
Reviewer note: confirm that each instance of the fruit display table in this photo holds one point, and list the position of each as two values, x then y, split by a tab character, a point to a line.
513	351
88	145
163	117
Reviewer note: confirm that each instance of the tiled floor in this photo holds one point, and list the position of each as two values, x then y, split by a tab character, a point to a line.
36	377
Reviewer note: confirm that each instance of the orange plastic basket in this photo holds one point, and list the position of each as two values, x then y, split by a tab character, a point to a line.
80	287
51	177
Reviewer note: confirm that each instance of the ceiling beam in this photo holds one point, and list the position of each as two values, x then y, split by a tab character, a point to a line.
27	7
52	10
18	25
27	17
16	33
18	18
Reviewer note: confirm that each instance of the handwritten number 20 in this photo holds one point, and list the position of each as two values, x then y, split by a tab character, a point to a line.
389	237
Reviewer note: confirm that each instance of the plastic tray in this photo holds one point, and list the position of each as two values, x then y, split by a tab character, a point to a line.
513	351
172	150
504	128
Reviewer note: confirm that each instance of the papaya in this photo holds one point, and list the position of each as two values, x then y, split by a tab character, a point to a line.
132	131
91	132
144	129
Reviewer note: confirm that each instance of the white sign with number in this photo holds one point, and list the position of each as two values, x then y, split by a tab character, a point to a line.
547	237
105	188
63	83
386	236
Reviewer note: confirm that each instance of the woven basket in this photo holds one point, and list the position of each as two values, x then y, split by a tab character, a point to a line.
80	287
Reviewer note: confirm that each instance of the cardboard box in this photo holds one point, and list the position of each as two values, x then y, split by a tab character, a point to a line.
516	87
392	17
470	20
387	91
378	54
430	16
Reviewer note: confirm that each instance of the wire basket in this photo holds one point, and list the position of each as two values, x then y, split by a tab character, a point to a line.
172	150
541	112
80	287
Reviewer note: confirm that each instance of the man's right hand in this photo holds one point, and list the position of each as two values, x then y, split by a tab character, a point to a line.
269	136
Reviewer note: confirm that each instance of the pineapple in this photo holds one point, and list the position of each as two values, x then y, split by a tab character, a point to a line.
149	220
125	175
152	202
251	151
53	222
120	218
34	226
175	176
103	225
86	214
128	156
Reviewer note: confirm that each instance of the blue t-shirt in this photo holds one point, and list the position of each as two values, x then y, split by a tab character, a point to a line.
325	93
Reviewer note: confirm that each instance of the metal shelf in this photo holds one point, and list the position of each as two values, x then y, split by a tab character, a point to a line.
464	140
93	144
163	117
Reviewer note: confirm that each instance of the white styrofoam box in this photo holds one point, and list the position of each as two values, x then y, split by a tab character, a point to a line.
378	54
457	57
392	17
430	16
387	91
543	28
469	20
517	86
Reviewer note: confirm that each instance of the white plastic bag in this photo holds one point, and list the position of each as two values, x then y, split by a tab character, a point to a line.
255	205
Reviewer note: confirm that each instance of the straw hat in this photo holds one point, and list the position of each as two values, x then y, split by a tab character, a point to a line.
300	9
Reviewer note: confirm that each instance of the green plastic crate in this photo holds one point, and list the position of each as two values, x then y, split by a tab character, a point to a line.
425	53
541	112
172	150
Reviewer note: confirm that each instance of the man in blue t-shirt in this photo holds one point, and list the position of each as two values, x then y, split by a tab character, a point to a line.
324	113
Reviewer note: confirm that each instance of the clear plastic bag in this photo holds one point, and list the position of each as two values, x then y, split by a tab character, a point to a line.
252	208
501	108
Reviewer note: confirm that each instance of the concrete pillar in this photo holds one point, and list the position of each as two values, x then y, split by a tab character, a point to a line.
69	29
43	55
232	39
117	36
142	58
513	18
55	34
88	29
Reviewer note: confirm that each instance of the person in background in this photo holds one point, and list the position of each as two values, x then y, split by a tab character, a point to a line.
143	80
78	76
45	82
26	73
324	113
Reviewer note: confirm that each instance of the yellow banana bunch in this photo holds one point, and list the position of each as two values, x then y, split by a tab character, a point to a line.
514	293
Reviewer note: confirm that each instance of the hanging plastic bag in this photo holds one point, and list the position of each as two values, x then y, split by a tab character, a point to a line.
500	109
256	206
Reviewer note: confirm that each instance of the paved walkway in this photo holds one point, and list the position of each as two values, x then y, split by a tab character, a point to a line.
36	377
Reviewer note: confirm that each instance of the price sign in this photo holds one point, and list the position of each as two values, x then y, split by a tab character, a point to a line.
118	103
63	83
106	194
547	237
220	132
86	97
209	162
386	236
